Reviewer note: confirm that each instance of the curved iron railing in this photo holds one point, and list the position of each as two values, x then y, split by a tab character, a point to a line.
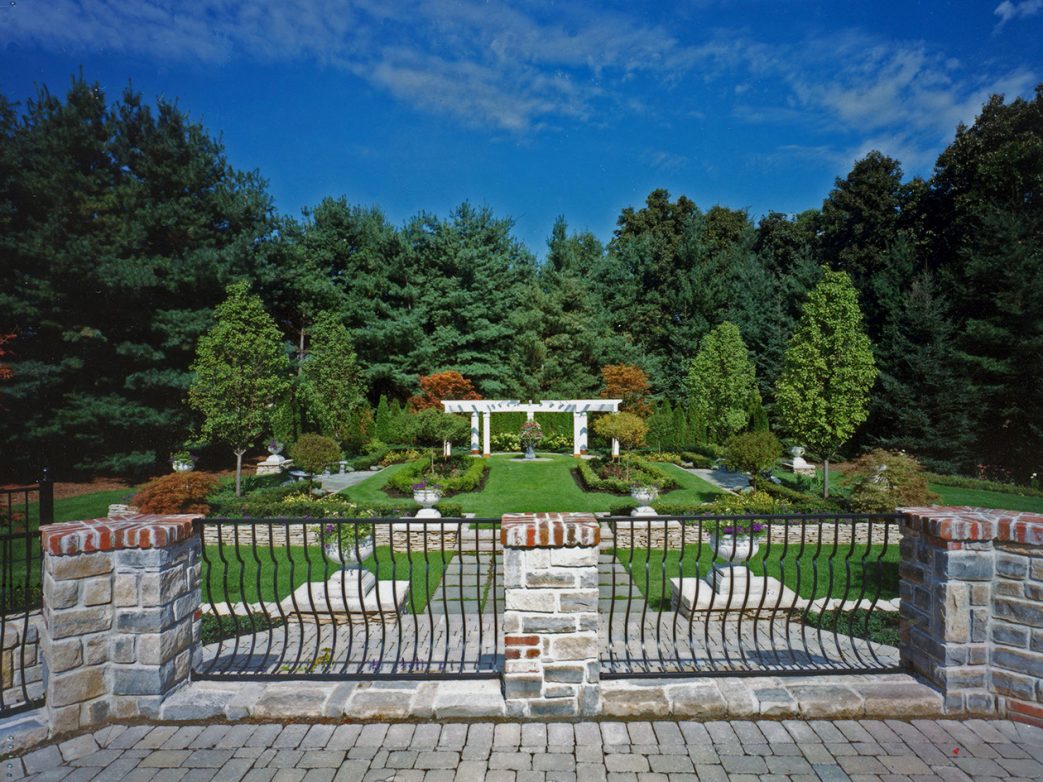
22	511
332	598
679	594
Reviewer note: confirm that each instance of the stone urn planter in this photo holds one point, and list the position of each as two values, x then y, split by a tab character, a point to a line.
346	555
274	447
738	546
644	495
426	498
183	466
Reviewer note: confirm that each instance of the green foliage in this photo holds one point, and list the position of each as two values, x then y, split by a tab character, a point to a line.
630	430
753	452
823	393
313	452
240	373
797	501
881	481
722	382
599	475
330	384
120	225
467	474
698	459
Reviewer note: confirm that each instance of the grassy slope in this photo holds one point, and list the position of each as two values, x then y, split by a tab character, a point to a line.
235	580
948	495
808	576
516	486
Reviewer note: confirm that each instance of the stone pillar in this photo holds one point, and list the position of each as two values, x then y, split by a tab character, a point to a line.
474	435
487	435
972	621
583	433
551	614
576	451
120	616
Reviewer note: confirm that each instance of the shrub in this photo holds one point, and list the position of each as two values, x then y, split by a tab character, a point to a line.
697	459
399	455
301	505
179	492
799	502
884	480
505	442
662	456
753	452
367	460
595	475
312	452
470	473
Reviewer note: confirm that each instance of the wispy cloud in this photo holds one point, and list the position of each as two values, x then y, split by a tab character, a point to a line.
1009	10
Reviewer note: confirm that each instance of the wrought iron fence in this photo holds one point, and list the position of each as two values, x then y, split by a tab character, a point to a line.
408	598
22	511
749	594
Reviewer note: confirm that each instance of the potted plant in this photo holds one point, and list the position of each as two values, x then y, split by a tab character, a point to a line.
347	544
530	435
182	461
426	494
274	447
736	540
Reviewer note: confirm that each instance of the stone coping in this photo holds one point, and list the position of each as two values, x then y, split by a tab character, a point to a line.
854	696
962	523
549	530
140	531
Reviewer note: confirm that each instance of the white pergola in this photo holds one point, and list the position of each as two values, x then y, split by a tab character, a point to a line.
486	407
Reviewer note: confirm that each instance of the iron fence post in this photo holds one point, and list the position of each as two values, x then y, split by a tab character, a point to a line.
46	498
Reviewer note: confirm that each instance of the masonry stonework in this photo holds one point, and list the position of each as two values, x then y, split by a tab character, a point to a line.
972	621
120	619
551	621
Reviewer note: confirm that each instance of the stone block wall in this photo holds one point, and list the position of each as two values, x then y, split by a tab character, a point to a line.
120	616
21	664
972	620
551	621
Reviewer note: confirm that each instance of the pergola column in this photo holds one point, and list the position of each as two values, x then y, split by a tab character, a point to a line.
615	448
583	432
474	434
575	435
487	434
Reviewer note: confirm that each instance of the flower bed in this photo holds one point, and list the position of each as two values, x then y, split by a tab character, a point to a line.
453	475
601	475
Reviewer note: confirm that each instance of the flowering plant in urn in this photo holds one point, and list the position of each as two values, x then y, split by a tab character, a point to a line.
346	542
530	436
426	494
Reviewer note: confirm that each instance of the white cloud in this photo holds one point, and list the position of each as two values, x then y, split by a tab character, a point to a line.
1009	10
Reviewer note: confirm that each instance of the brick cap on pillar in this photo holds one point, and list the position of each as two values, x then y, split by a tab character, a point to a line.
142	531
975	524
549	530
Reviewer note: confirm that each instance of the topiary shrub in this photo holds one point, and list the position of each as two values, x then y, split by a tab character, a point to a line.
882	480
312	452
752	452
179	492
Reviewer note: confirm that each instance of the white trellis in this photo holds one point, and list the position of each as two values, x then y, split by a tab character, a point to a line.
579	408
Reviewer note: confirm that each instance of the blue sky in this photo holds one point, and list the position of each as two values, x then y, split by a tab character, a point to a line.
538	109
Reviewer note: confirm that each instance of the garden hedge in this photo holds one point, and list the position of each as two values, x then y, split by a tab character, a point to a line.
470	480
644	473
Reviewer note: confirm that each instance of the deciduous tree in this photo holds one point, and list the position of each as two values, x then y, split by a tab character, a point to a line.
722	382
823	394
240	373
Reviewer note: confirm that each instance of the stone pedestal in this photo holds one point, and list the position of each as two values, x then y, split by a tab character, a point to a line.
121	621
551	621
348	595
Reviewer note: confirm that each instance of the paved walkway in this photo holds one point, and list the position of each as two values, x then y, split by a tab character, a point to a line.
340	481
861	751
723	479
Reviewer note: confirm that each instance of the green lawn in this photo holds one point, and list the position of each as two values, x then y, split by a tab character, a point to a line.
86	506
808	576
517	486
281	570
948	495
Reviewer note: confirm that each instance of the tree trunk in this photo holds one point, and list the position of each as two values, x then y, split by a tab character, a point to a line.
825	478
300	352
238	472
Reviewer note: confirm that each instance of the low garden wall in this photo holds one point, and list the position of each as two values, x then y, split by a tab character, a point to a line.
120	624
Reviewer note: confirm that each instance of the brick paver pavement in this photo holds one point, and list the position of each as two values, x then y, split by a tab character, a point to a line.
856	750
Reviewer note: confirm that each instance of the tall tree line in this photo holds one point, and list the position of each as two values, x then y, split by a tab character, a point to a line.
121	224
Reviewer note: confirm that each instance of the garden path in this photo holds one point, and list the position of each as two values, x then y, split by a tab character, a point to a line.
732	482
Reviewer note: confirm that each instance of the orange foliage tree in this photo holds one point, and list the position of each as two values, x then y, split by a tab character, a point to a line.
629	383
178	492
442	385
5	371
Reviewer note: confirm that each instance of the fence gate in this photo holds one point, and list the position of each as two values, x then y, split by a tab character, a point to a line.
413	598
733	595
22	511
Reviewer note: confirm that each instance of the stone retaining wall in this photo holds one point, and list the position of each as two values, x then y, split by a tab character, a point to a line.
653	533
262	536
21	664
